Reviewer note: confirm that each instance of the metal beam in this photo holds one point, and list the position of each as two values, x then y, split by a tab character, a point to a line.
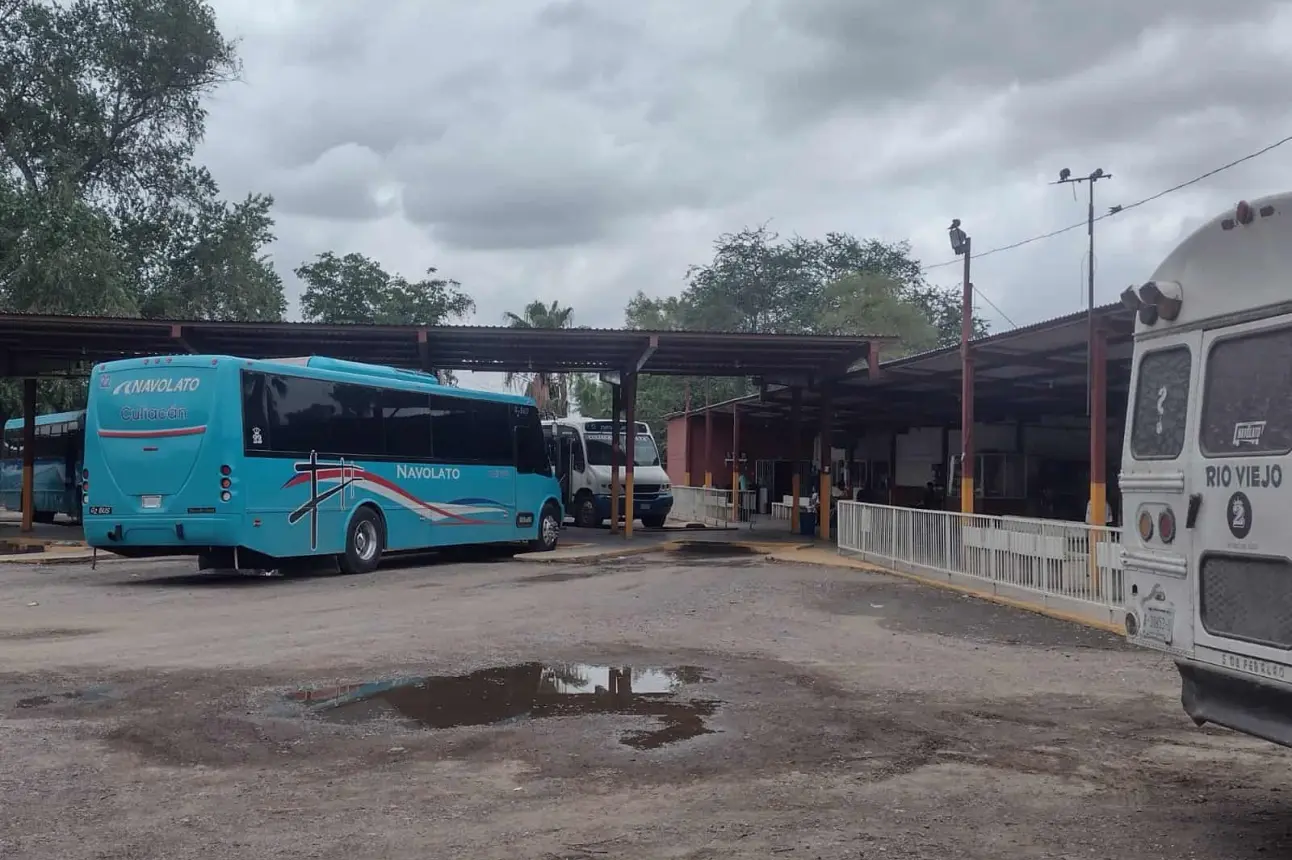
424	350
180	338
651	346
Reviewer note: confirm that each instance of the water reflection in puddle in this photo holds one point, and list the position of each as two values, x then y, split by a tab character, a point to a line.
529	691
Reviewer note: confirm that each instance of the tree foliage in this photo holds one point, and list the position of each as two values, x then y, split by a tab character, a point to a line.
102	208
757	282
356	289
550	390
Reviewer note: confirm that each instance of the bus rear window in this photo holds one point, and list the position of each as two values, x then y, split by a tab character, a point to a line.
1161	404
1247	395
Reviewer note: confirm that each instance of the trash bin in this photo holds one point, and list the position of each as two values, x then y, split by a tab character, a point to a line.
807	523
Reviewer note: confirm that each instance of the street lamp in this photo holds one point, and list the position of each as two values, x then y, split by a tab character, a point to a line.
962	245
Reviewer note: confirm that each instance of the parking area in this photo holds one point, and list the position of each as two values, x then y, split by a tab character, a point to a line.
700	704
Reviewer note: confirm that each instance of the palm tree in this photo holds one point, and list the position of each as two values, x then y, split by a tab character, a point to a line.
549	390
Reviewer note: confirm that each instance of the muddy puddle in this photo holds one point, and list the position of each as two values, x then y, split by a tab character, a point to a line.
529	691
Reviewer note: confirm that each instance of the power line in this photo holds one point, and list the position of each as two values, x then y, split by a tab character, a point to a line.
1117	210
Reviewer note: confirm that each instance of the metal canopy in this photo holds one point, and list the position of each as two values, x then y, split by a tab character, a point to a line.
1033	373
33	345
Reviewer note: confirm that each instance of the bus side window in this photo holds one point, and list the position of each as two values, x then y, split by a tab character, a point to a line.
577	461
1161	404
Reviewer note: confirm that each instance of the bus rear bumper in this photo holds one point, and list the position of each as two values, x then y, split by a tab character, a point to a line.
179	535
1235	700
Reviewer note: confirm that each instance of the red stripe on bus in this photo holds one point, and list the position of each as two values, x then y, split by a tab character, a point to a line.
153	434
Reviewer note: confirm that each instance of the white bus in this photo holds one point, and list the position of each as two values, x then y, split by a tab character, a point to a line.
579	449
1206	476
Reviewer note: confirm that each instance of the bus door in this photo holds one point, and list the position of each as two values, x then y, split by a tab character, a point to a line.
1155	484
1243	539
570	460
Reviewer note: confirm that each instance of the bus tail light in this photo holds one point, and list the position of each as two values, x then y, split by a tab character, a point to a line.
225	483
1166	525
1145	526
225	495
226	470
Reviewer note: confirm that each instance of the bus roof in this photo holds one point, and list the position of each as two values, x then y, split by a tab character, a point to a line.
1226	266
583	420
322	367
50	418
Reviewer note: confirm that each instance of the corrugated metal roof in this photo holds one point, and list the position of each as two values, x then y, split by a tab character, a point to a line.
1032	368
32	344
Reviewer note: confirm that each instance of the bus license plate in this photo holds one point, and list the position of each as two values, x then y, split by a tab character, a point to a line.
1158	624
150	501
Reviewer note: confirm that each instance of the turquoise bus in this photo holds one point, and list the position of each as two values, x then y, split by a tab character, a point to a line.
250	464
56	483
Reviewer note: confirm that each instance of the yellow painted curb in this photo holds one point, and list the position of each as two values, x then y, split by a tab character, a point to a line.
832	560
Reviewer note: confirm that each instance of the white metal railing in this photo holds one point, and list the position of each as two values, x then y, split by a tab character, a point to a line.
1049	558
708	505
712	506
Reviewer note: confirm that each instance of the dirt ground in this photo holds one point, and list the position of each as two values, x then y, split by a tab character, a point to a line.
147	713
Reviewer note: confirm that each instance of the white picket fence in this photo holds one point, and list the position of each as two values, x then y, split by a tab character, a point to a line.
1045	562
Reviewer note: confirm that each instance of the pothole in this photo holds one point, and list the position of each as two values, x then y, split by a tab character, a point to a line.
715	548
528	691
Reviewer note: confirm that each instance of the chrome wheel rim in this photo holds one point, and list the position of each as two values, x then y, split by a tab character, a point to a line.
365	540
550	530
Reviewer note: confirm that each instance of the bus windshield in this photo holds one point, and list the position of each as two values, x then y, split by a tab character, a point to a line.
645	453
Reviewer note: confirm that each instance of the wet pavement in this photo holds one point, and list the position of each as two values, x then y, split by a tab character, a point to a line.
528	691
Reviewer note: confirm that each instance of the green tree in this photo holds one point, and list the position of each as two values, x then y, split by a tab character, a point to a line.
356	289
758	283
875	304
550	390
100	115
102	210
215	268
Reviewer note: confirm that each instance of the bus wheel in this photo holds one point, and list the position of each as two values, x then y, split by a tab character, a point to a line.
364	539
585	512
549	530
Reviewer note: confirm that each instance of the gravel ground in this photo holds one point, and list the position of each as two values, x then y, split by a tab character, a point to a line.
150	713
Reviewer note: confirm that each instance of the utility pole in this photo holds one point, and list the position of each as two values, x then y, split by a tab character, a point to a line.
1066	178
962	245
1096	381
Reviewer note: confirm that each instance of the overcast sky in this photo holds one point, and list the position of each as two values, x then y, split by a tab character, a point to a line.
580	150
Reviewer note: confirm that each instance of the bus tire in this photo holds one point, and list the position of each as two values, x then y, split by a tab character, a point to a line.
365	537
549	530
585	512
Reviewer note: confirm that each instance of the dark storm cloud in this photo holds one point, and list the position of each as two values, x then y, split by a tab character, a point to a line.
580	150
818	56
